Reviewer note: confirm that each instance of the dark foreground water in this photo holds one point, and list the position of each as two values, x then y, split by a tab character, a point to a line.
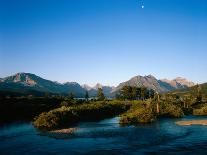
106	137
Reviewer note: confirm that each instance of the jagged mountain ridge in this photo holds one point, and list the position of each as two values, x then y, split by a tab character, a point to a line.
21	82
179	82
160	86
33	82
107	90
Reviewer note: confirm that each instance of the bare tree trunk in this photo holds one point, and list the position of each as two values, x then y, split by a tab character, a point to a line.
158	106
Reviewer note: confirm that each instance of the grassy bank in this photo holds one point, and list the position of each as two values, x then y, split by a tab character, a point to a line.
145	112
65	116
200	110
141	112
132	113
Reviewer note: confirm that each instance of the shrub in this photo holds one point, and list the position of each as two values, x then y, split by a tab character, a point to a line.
171	110
145	112
55	118
65	116
187	111
140	113
200	112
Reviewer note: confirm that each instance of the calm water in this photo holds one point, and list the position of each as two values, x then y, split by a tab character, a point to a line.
106	137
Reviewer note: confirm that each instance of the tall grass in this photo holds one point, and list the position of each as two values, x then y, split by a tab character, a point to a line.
65	116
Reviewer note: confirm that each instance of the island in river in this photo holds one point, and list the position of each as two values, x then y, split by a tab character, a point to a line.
74	126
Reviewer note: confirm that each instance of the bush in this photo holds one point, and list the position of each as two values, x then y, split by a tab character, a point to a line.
200	112
65	116
145	112
138	116
55	118
171	110
139	113
187	111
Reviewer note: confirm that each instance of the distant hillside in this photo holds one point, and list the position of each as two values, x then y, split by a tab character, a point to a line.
107	90
14	89
30	84
27	83
191	90
160	86
93	90
179	83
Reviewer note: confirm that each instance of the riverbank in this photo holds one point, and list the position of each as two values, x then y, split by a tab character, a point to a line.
70	115
64	131
192	122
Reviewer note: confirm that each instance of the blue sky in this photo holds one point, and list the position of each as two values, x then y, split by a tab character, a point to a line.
105	41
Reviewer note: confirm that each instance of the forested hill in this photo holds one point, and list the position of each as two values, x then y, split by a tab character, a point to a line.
192	90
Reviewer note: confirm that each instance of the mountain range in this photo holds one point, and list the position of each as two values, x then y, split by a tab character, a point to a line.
30	84
160	86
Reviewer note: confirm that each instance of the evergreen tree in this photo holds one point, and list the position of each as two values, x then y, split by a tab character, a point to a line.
71	96
100	94
86	96
143	93
46	94
151	93
135	93
199	94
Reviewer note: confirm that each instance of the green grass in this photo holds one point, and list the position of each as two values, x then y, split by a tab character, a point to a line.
146	112
132	112
142	112
200	110
65	116
170	110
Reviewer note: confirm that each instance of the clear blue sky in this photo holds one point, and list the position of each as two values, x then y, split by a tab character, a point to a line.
106	41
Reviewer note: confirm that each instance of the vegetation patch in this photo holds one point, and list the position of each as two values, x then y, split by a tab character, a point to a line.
146	112
64	116
171	110
139	113
201	111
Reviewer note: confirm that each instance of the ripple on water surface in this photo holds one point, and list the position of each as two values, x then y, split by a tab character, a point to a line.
106	137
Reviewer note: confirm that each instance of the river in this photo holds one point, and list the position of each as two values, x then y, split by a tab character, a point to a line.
107	137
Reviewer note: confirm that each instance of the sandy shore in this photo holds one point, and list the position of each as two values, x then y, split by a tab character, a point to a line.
64	131
192	122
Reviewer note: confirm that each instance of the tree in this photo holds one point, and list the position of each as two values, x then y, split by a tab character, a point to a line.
126	92
138	93
100	94
151	93
143	93
86	96
46	94
199	94
71	96
65	103
157	100
135	93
